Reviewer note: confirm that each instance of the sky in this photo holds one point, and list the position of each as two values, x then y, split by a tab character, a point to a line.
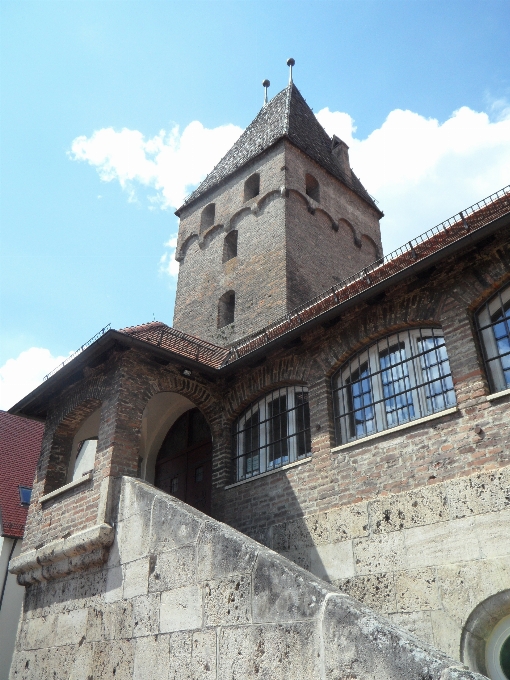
112	111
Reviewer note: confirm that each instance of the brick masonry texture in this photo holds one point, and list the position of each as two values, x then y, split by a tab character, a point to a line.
290	247
207	603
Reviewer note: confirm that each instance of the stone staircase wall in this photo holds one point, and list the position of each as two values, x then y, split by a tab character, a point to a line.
182	596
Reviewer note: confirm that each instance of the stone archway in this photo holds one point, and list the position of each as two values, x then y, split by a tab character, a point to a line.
184	463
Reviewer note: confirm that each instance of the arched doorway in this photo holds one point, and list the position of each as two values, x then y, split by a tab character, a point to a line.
184	462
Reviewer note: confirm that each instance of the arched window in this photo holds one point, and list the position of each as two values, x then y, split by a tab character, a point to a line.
312	188
230	246
399	378
272	432
207	217
252	186
226	308
493	321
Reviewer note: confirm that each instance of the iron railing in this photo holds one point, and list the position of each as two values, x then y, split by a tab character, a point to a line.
78	351
442	235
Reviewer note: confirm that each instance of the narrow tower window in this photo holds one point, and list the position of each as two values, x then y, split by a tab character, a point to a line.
252	186
226	308
207	217
230	246
312	187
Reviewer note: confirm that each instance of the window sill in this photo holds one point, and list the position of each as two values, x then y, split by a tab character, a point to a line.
270	472
498	395
77	482
399	428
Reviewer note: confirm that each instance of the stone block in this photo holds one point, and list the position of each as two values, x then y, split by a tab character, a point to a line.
419	507
180	656
172	526
114	584
464	586
152	658
203	655
348	522
227	602
418	623
300	556
446	633
332	562
278	652
279	537
133	537
113	659
40	632
71	627
380	553
283	593
146	609
416	590
181	609
136	498
110	622
442	543
493	532
136	578
308	531
478	494
222	552
373	590
173	569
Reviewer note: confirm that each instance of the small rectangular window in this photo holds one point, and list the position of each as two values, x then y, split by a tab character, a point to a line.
25	494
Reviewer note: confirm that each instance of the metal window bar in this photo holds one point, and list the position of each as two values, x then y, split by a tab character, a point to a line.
272	432
495	336
399	378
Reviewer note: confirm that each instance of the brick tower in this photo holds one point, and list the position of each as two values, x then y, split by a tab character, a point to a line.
281	218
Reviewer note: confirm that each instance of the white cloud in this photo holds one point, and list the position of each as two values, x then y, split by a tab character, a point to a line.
171	163
20	376
422	171
168	264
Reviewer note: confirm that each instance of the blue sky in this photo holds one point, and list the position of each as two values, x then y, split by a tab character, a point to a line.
79	252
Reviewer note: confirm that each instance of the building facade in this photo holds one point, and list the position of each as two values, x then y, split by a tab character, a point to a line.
346	410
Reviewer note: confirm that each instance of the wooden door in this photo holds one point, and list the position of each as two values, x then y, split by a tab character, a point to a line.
184	462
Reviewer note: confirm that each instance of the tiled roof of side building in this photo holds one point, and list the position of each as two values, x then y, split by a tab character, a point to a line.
20	445
286	115
166	337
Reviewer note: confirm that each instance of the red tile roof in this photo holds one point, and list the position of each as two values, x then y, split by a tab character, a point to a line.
161	335
20	444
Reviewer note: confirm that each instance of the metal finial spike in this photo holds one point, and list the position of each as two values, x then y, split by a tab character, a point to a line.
265	84
290	63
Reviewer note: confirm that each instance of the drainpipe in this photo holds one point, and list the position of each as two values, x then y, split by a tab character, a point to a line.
7	572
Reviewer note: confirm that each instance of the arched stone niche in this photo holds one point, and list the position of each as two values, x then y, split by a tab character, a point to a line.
160	413
478	629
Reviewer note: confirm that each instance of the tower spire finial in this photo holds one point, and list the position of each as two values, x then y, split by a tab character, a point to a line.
290	64
266	84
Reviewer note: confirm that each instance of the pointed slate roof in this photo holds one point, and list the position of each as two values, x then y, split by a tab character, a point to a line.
287	115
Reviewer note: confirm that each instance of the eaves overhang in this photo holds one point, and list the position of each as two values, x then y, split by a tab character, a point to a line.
250	351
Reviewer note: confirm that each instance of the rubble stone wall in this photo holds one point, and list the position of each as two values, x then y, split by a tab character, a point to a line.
183	596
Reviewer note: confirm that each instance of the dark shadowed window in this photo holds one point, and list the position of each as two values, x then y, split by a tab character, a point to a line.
226	308
252	186
400	378
208	216
272	432
493	320
312	188
230	246
25	493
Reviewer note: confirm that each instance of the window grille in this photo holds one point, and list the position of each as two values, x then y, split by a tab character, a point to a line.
493	322
398	379
272	432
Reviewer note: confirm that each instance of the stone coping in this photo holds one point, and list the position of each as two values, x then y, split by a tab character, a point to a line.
398	428
77	482
271	472
498	395
82	543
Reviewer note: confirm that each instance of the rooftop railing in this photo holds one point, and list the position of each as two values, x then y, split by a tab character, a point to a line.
78	351
433	240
